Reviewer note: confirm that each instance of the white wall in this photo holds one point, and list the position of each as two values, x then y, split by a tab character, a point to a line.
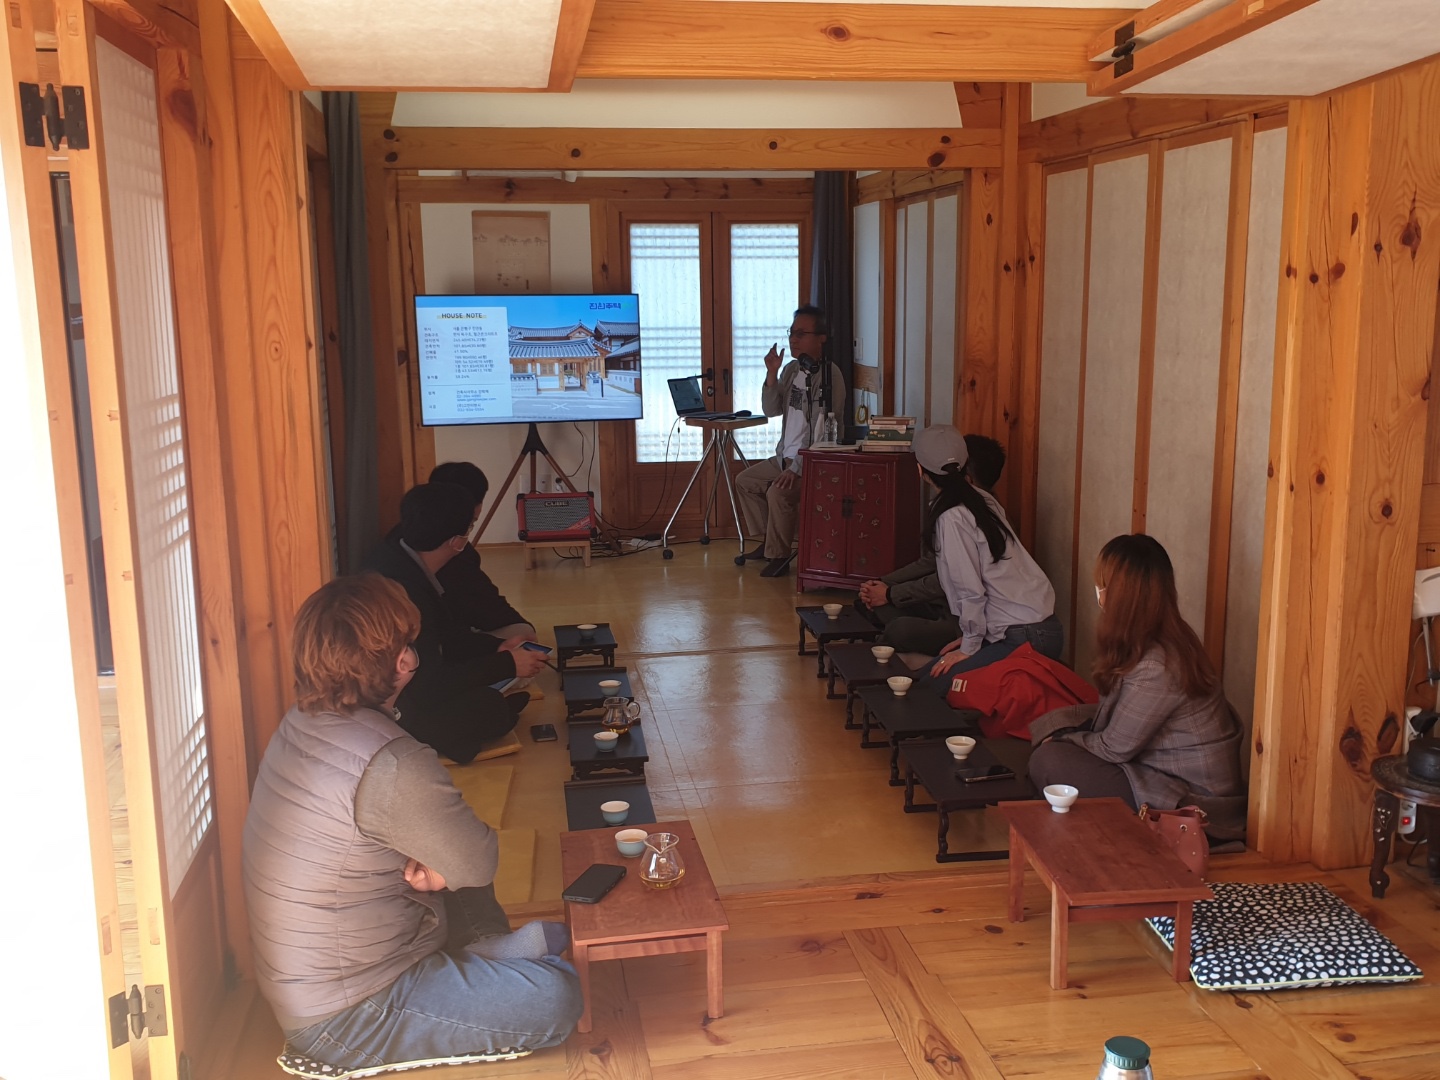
450	269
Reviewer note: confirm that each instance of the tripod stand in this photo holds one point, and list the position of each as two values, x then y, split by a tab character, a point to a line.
533	445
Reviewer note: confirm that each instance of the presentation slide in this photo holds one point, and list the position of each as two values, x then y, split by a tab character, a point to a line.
518	359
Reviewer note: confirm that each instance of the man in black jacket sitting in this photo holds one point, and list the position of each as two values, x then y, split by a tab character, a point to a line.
452	703
469	593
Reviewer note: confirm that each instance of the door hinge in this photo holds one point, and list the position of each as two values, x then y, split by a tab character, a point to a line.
133	1015
41	116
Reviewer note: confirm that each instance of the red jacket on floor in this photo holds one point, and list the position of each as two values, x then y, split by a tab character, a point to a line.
1014	691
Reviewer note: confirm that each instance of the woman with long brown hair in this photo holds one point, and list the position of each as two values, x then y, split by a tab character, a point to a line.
1162	732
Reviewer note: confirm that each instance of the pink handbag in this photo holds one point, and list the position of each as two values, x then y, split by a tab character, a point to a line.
1182	829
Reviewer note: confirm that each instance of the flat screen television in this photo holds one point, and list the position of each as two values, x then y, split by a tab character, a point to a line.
528	359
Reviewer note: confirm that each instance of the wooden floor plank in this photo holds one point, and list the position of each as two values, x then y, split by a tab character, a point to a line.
1050	1040
677	1032
928	1025
881	1060
614	1047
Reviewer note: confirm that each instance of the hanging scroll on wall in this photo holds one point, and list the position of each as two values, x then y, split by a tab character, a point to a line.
512	251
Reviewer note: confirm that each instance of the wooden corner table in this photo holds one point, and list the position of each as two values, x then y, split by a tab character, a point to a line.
1393	782
636	920
1101	863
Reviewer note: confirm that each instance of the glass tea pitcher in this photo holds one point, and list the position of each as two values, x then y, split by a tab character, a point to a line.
621	714
662	867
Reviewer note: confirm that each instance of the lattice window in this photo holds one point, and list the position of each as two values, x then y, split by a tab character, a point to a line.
154	432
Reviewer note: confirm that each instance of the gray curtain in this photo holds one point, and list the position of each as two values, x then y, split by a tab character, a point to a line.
832	279
361	526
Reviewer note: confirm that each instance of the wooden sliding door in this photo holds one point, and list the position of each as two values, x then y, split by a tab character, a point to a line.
1157	343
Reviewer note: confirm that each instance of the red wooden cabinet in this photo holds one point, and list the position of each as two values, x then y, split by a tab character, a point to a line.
860	517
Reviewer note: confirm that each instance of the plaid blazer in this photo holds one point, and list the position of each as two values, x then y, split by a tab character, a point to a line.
1174	749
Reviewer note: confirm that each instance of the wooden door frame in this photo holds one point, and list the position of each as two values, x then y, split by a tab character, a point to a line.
38	235
172	54
616	442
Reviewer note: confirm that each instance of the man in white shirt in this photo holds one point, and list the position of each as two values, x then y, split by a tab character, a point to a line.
770	489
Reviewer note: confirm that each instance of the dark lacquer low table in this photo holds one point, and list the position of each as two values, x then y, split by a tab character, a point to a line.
1393	782
849	625
929	764
583	799
569	645
583	693
855	666
920	714
588	761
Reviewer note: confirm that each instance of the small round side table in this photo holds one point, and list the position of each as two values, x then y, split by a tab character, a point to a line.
1393	782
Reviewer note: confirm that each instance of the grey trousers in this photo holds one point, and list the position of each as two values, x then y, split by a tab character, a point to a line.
769	510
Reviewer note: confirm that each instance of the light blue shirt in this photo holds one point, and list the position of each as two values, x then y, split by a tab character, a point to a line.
987	597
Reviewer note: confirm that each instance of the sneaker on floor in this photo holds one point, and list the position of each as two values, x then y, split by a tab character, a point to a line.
777	567
754	554
300	1065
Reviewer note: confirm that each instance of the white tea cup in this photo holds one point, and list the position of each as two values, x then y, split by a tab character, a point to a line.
1061	797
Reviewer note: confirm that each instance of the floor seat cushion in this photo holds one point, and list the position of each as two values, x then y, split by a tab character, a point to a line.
1283	936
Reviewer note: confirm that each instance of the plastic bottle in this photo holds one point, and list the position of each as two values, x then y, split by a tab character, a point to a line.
1126	1058
832	429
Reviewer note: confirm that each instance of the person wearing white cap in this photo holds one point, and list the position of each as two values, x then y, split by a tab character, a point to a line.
996	590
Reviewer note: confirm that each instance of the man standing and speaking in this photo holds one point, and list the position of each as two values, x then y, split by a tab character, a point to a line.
770	489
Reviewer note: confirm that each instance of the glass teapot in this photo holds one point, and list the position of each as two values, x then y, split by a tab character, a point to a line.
661	867
621	714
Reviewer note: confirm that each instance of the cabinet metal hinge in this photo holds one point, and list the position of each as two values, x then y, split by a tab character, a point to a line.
46	114
133	1015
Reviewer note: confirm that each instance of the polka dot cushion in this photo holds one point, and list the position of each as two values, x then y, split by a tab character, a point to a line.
1274	937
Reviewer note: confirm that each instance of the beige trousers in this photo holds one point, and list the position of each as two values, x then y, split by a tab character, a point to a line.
768	509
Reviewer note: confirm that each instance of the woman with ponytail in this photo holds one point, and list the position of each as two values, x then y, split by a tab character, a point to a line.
1163	733
997	592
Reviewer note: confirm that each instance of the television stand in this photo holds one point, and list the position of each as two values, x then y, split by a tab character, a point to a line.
534	445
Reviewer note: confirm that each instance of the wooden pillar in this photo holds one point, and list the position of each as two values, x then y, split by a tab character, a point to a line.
991	384
392	388
267	674
1355	328
265	238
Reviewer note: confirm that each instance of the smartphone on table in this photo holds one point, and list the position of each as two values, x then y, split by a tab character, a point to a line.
593	884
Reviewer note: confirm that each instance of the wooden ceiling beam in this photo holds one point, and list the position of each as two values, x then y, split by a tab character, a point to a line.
736	39
979	103
252	16
584	189
689	148
1192	39
570	37
1123	120
174	25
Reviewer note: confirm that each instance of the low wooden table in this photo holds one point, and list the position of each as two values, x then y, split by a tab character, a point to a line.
635	920
1393	782
569	645
588	761
583	693
1101	863
920	714
583	799
855	666
849	625
929	763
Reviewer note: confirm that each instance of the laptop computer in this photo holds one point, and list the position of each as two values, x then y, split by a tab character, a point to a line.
690	403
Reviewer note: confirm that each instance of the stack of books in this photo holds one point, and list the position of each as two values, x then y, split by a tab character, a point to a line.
889	434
